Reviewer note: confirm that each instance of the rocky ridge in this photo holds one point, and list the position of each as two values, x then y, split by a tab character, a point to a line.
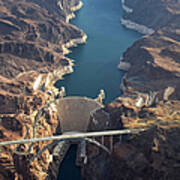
153	154
154	60
150	100
35	36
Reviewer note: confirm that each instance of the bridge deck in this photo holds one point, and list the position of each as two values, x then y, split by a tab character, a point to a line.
76	135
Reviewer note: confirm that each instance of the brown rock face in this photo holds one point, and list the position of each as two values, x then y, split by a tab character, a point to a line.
155	63
152	13
33	38
154	67
32	35
151	100
152	154
26	117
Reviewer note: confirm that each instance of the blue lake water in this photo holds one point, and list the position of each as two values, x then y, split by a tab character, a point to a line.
96	61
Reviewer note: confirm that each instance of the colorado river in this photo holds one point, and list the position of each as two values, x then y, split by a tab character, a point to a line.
96	61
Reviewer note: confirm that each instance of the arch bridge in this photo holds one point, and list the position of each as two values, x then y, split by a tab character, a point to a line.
74	114
78	136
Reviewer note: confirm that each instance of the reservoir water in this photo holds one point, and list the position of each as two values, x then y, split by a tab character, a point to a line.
96	61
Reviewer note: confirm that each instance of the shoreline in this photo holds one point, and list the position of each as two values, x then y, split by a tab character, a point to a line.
133	25
45	82
73	9
137	27
73	43
125	66
59	74
126	8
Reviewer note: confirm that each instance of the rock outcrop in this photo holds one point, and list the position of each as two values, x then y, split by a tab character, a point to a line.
34	37
152	154
151	100
154	59
151	13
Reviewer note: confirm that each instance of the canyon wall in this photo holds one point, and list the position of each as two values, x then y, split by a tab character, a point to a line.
150	100
154	60
34	38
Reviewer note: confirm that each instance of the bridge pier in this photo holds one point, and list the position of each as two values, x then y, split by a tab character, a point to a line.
120	139
83	151
102	140
111	143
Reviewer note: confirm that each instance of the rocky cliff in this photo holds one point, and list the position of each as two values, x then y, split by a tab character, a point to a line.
154	59
150	100
153	154
34	37
152	14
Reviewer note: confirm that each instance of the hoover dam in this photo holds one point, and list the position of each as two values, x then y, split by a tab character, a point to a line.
66	73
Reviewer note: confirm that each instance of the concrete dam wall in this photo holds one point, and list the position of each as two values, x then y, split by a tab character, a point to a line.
74	113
